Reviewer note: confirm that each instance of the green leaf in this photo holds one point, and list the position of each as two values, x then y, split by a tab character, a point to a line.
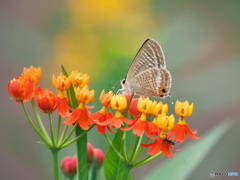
114	168
183	165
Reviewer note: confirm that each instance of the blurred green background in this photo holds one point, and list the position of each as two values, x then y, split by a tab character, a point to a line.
200	40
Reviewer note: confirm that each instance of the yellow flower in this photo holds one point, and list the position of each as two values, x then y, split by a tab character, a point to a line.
166	122
160	109
118	102
33	74
61	82
84	95
78	79
105	98
146	105
183	109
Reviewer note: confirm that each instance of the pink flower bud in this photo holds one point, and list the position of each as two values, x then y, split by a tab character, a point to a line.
128	96
133	110
99	156
90	152
69	166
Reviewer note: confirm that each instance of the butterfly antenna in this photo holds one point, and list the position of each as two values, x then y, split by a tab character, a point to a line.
112	88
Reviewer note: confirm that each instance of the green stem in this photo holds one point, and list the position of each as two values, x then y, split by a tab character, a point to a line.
63	134
75	139
135	148
139	151
39	121
95	171
128	105
147	159
62	141
51	131
114	149
34	127
58	128
81	143
123	133
126	172
55	164
123	144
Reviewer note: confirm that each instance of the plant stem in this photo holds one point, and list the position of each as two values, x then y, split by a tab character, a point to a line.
147	159
51	130
126	172
58	128
55	164
34	127
81	143
63	144
114	149
135	147
39	121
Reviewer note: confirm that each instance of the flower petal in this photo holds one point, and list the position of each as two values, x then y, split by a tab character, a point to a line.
166	146
180	133
73	117
101	129
190	133
139	128
156	147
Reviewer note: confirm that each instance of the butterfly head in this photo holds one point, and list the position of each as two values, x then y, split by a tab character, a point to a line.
123	81
124	86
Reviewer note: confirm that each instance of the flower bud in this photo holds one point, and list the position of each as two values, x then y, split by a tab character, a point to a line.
90	152
47	101
99	156
133	110
69	166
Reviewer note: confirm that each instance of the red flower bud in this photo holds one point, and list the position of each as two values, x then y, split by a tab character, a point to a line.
133	110
69	166
128	96
90	152
47	101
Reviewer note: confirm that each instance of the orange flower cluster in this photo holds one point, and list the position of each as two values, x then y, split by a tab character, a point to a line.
162	129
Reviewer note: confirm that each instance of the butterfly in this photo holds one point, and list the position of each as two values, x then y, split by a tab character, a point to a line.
147	75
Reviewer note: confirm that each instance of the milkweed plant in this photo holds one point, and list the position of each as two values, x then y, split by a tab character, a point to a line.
137	123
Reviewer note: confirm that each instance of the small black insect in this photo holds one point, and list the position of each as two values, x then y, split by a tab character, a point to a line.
168	140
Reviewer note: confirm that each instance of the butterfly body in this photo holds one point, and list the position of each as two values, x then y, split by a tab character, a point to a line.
147	75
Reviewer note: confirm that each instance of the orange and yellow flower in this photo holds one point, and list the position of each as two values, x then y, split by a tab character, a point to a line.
20	88
102	115
78	79
141	125
118	103
62	83
81	115
160	144
183	109
33	74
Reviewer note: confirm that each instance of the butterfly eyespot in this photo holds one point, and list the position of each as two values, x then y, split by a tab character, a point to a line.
164	90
